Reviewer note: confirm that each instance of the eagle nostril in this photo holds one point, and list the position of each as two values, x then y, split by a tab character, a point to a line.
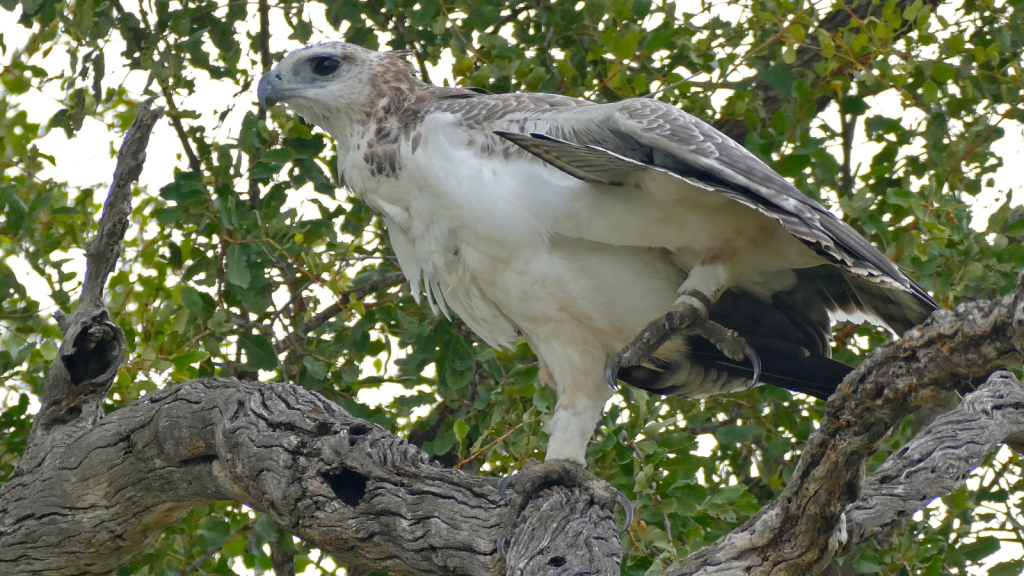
278	75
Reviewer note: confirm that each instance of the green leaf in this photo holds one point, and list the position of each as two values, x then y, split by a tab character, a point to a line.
460	428
853	105
980	549
48	350
258	352
187	188
316	368
238	267
188	358
265	530
910	12
735	434
14	214
1016	228
199	304
943	72
213	532
31	6
859	41
781	79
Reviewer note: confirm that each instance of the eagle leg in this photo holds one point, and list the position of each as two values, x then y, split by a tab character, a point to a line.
530	481
688	318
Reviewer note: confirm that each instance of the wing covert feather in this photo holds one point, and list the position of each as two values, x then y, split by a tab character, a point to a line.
664	138
682	142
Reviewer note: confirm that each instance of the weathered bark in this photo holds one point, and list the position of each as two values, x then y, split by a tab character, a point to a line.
366	496
93	490
801	531
344	485
93	347
939	460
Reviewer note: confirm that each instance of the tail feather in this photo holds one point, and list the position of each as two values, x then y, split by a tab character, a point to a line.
844	295
703	370
791	333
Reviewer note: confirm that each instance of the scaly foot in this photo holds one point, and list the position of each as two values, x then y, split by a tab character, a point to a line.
682	316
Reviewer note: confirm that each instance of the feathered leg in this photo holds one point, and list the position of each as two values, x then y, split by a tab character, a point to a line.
570	363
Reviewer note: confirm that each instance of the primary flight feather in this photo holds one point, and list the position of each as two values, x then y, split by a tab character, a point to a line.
576	224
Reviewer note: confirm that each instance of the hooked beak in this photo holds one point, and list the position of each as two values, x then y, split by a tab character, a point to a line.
269	90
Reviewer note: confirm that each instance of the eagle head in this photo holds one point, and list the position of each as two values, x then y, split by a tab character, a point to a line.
333	82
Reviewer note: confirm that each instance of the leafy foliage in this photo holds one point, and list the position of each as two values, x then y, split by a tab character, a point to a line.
252	239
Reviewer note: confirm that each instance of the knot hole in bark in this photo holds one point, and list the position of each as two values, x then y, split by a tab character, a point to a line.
557	561
322	428
357	430
96	348
348	485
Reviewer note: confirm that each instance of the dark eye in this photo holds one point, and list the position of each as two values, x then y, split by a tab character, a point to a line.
325	65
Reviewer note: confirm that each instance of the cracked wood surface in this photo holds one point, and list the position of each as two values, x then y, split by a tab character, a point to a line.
938	460
345	485
802	530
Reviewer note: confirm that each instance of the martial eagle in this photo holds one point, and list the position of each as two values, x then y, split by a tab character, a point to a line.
577	225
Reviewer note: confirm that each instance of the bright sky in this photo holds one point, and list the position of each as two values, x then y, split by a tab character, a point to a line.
90	151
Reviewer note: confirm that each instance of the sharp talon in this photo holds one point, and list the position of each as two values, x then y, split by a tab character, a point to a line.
755	360
627	509
611	372
503	489
501	547
666	324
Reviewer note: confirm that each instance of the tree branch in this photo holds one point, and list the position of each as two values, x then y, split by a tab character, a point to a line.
848	124
939	460
384	282
347	486
193	161
802	530
93	347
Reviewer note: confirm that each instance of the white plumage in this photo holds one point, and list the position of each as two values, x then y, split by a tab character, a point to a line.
576	224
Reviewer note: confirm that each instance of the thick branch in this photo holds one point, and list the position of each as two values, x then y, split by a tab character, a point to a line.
800	532
93	347
104	250
939	460
345	485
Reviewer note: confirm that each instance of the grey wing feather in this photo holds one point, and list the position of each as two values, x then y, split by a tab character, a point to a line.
588	163
685	144
604	143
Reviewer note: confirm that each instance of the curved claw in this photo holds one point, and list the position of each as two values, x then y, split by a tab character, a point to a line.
611	372
627	510
503	488
501	547
755	360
